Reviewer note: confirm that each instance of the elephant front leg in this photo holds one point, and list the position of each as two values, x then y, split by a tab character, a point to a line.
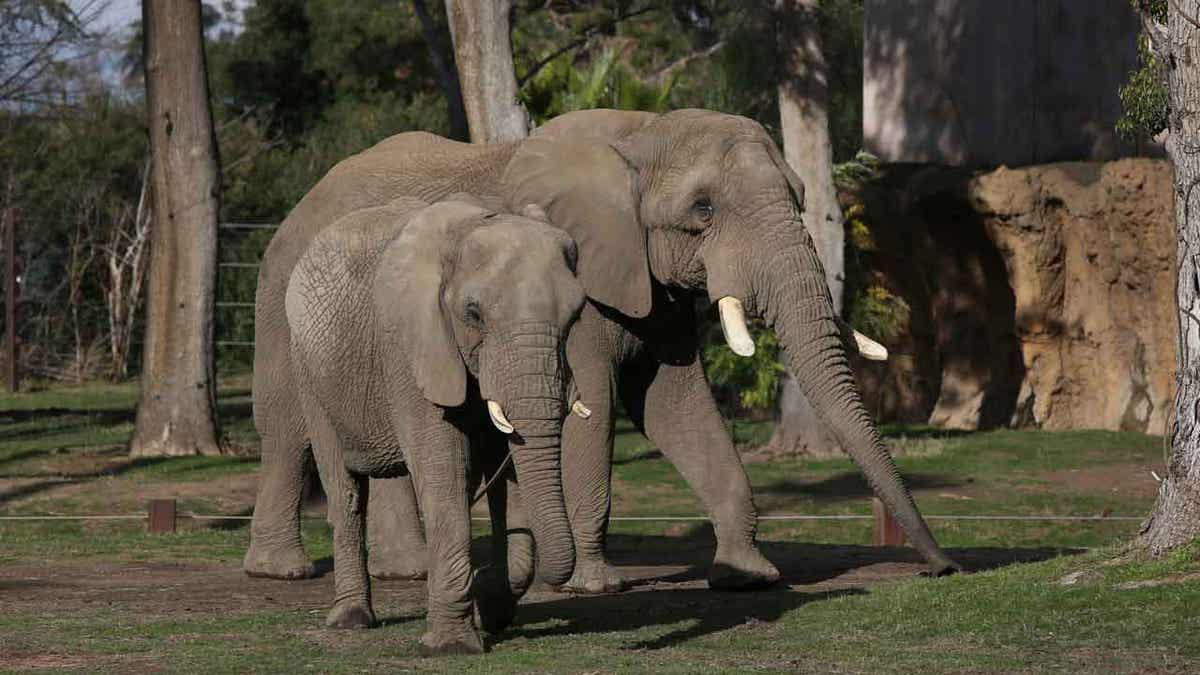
498	587
347	495
396	541
680	417
440	476
587	478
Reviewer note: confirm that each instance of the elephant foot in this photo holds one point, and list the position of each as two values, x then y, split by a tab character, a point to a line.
408	563
741	569
286	563
351	614
495	603
942	566
440	642
594	576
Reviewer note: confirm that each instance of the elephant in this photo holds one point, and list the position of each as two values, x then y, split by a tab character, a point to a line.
411	324
664	208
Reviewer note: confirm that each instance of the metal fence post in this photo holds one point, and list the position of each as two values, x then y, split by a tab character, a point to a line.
887	531
161	518
12	374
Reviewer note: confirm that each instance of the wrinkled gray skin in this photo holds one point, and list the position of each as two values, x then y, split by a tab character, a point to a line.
630	188
404	319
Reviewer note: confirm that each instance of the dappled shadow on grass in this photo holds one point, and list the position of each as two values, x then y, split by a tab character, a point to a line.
47	480
851	485
922	431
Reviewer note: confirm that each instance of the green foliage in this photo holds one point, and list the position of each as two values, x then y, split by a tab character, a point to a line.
561	87
754	380
1144	97
877	312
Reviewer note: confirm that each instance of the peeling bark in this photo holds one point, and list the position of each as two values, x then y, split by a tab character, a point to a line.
176	414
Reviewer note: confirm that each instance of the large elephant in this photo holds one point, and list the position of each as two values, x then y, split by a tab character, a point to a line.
410	325
662	207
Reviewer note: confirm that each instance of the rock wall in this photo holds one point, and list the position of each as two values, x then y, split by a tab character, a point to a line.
1038	297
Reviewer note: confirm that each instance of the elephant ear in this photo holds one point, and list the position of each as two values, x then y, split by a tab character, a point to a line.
409	285
589	190
793	180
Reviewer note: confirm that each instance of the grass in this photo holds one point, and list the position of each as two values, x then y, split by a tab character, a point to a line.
1107	609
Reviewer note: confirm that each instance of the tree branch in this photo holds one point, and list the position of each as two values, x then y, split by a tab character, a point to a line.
1156	33
583	37
683	61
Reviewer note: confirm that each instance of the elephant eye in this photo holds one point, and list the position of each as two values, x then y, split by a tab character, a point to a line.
703	209
471	312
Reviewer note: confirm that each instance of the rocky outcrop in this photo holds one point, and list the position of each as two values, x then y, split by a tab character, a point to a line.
1037	297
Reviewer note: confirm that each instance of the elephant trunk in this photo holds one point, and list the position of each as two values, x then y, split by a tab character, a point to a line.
794	299
528	366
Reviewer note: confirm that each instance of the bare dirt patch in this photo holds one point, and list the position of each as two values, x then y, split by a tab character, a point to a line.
1123	480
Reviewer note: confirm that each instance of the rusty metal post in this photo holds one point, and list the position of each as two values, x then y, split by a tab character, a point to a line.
10	300
887	531
162	516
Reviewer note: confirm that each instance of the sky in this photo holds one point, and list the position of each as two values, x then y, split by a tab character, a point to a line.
119	14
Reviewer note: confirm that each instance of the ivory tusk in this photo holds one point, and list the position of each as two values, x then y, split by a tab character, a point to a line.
582	410
869	348
733	325
498	418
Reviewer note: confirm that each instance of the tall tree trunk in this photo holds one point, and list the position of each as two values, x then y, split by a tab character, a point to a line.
446	73
1175	519
804	123
483	52
176	415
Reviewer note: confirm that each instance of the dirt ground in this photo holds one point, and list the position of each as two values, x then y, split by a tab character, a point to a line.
166	589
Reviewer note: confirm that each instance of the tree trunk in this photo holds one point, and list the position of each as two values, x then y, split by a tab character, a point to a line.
176	414
483	53
446	73
804	123
1175	519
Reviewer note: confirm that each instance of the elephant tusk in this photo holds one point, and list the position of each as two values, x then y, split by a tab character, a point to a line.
498	418
733	325
582	410
869	348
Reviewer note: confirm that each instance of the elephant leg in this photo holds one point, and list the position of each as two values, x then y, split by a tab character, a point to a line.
275	548
438	463
587	468
347	497
680	416
396	541
498	587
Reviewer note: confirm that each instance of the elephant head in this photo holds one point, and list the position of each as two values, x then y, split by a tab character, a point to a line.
704	201
470	292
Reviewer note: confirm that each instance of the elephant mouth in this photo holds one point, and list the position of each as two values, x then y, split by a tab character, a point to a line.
737	333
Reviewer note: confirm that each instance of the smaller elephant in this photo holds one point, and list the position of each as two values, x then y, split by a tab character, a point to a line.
412	324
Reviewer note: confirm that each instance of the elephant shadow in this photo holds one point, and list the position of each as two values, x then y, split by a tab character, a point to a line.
700	610
678	602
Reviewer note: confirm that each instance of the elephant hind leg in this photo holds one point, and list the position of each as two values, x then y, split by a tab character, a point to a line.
276	551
